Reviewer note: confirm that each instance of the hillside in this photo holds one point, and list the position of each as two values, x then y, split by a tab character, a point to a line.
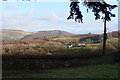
114	34
84	35
9	35
47	34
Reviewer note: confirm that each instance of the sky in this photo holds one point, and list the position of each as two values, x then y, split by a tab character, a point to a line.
44	16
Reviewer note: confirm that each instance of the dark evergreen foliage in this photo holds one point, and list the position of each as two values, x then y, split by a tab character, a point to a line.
102	7
74	11
96	7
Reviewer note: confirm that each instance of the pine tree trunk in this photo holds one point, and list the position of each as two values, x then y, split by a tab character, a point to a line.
104	37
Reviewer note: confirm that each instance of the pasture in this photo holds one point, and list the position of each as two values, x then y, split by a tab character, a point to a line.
92	71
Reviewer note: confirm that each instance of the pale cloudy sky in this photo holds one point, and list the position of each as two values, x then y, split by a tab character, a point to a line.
38	16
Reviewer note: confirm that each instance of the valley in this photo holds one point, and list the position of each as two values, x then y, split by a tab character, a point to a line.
54	53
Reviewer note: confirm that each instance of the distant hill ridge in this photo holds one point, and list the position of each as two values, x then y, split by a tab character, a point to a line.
10	35
47	34
114	34
110	35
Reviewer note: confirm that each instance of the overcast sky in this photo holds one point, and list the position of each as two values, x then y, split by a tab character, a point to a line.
38	16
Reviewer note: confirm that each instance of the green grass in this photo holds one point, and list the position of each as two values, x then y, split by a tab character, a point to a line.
112	39
63	38
73	48
92	71
96	44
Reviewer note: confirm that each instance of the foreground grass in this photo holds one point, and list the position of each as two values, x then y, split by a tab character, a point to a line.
91	71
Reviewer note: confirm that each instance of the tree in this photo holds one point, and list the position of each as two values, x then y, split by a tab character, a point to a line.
97	7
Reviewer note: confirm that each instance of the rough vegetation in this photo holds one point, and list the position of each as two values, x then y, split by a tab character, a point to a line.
47	57
30	47
55	46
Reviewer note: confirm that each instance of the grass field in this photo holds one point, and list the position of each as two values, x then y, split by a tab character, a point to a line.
63	38
61	67
112	39
92	71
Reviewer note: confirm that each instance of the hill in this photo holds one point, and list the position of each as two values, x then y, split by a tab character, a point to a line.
97	37
84	35
114	34
10	35
47	34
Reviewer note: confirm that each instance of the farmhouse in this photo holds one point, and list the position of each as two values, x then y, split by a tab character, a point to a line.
81	44
69	46
77	45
